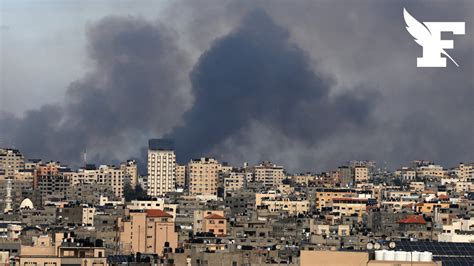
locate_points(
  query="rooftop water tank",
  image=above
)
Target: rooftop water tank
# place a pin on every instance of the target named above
(389, 255)
(400, 255)
(415, 256)
(426, 256)
(379, 254)
(408, 256)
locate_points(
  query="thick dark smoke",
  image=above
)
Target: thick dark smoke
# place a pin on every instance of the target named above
(134, 91)
(257, 75)
(421, 113)
(255, 93)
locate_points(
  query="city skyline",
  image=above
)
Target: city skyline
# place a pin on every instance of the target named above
(352, 89)
(236, 133)
(170, 172)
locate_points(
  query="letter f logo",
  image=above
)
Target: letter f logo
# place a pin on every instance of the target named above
(428, 35)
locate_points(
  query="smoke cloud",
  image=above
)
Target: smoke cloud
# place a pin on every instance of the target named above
(308, 85)
(135, 90)
(256, 74)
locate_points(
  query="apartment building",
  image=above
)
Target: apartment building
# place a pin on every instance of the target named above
(113, 177)
(349, 206)
(153, 204)
(361, 174)
(62, 249)
(292, 207)
(148, 231)
(53, 187)
(108, 175)
(11, 161)
(205, 220)
(465, 172)
(203, 176)
(82, 176)
(269, 174)
(430, 207)
(417, 186)
(48, 169)
(406, 173)
(161, 167)
(303, 178)
(216, 224)
(460, 230)
(431, 170)
(181, 176)
(345, 176)
(130, 172)
(234, 180)
(324, 197)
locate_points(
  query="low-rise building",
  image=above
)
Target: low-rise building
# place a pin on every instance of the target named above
(148, 231)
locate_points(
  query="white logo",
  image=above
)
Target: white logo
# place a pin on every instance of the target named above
(429, 37)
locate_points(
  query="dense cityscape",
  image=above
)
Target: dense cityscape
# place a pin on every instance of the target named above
(208, 212)
(236, 133)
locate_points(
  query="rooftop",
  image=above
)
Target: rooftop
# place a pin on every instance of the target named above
(157, 213)
(214, 216)
(414, 219)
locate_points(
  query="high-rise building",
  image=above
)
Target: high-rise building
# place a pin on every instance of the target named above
(11, 161)
(203, 176)
(161, 167)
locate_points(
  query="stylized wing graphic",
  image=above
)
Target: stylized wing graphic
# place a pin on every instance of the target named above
(420, 32)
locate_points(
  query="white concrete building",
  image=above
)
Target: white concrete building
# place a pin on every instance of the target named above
(461, 230)
(161, 168)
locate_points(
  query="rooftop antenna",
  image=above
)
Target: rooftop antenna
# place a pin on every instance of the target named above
(85, 157)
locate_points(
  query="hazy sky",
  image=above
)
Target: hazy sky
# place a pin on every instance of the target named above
(43, 45)
(307, 84)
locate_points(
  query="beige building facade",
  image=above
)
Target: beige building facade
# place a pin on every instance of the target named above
(200, 224)
(268, 174)
(113, 177)
(147, 232)
(130, 172)
(181, 176)
(11, 162)
(203, 176)
(361, 174)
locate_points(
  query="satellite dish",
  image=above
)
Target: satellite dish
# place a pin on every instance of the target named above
(239, 247)
(392, 245)
(370, 246)
(377, 246)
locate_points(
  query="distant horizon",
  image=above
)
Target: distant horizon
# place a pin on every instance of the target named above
(142, 164)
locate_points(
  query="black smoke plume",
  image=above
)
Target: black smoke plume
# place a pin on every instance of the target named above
(134, 91)
(256, 74)
(253, 75)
